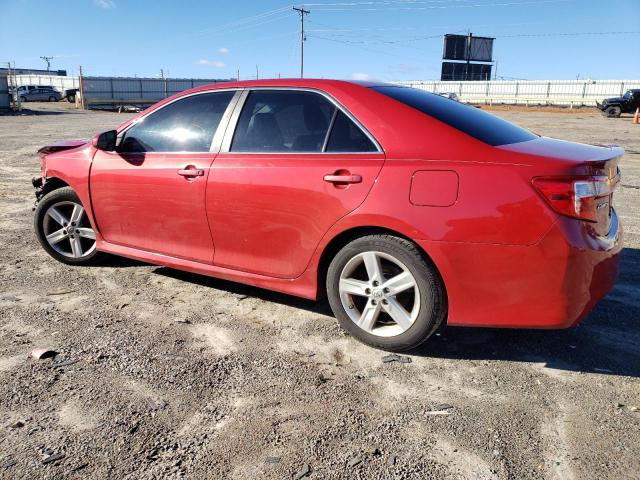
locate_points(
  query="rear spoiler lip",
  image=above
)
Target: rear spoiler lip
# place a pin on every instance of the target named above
(562, 150)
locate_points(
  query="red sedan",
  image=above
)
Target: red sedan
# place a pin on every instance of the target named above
(404, 208)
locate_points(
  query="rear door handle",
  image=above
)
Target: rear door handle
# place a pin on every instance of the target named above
(343, 178)
(191, 171)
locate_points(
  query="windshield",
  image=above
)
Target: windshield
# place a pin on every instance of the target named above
(475, 122)
(628, 94)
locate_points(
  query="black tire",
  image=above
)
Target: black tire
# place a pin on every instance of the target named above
(65, 194)
(613, 111)
(433, 302)
(23, 99)
(53, 99)
(71, 98)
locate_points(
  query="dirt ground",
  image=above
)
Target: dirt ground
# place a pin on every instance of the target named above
(165, 374)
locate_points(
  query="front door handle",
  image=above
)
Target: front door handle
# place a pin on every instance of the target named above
(191, 171)
(347, 178)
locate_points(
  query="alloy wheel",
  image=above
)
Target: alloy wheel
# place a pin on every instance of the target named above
(379, 294)
(68, 231)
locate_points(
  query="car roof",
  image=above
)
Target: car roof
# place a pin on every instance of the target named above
(314, 83)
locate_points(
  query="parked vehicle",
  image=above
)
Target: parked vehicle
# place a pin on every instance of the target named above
(70, 94)
(40, 95)
(627, 103)
(450, 96)
(22, 89)
(404, 208)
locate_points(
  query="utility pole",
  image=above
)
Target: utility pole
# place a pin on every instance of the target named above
(164, 82)
(257, 74)
(47, 60)
(238, 75)
(302, 13)
(468, 56)
(81, 85)
(12, 82)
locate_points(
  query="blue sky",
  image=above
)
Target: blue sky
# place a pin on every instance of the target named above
(381, 39)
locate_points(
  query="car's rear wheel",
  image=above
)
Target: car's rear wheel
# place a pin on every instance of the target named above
(23, 99)
(385, 293)
(63, 228)
(52, 99)
(613, 111)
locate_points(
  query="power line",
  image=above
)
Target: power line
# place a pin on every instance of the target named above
(356, 44)
(383, 3)
(551, 34)
(356, 31)
(357, 36)
(302, 13)
(244, 26)
(350, 38)
(261, 39)
(566, 34)
(245, 21)
(371, 7)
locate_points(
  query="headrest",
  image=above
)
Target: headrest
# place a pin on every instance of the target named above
(314, 120)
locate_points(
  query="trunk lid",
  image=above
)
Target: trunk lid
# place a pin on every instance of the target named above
(591, 168)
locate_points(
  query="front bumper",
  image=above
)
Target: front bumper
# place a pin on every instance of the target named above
(552, 284)
(38, 184)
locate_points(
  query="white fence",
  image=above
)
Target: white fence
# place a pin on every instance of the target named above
(529, 92)
(60, 83)
(522, 92)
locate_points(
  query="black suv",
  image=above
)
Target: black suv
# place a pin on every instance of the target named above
(613, 107)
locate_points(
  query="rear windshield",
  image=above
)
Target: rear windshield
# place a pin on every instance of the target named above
(475, 122)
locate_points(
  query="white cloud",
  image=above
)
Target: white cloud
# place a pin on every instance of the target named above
(106, 4)
(404, 69)
(211, 63)
(361, 76)
(223, 50)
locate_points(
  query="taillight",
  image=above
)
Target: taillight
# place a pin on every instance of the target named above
(575, 196)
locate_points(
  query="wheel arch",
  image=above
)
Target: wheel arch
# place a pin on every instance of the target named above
(346, 236)
(53, 183)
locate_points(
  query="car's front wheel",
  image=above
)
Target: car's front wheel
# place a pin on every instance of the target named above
(385, 293)
(63, 228)
(613, 111)
(53, 99)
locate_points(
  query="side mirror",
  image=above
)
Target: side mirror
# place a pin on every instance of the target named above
(106, 141)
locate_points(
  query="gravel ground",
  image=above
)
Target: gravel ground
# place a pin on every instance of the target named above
(181, 375)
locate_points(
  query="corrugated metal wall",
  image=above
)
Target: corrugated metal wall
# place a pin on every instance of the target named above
(4, 93)
(531, 92)
(118, 89)
(99, 89)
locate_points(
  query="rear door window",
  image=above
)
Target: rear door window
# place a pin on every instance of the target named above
(346, 136)
(296, 121)
(282, 121)
(475, 122)
(186, 125)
